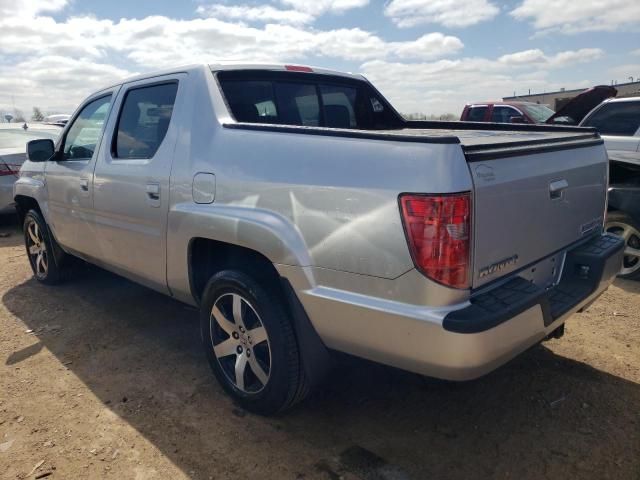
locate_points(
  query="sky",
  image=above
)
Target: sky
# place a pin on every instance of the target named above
(427, 56)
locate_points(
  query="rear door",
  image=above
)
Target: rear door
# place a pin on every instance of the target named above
(132, 180)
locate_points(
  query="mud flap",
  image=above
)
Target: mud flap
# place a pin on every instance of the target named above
(315, 356)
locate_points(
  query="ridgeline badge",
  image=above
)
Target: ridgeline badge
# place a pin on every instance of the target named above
(498, 266)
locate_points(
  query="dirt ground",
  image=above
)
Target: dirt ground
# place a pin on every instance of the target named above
(101, 378)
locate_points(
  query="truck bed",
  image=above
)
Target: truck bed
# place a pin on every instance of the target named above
(473, 137)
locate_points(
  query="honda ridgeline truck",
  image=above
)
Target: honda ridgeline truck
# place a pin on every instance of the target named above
(304, 215)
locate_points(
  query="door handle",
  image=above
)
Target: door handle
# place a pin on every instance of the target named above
(153, 191)
(153, 194)
(556, 188)
(84, 184)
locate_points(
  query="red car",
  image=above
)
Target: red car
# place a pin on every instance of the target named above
(529, 112)
(506, 112)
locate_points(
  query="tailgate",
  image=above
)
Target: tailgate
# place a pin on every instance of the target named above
(532, 199)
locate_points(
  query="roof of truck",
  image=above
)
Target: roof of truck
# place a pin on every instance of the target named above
(230, 65)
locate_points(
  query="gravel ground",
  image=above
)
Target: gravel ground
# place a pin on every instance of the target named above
(101, 378)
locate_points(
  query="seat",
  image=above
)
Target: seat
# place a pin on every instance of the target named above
(245, 112)
(337, 116)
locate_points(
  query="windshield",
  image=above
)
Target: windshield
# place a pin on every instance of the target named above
(18, 138)
(539, 113)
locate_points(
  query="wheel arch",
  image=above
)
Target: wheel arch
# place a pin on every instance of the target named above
(25, 203)
(206, 257)
(625, 198)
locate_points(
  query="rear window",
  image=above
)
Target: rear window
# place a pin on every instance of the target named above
(288, 98)
(616, 118)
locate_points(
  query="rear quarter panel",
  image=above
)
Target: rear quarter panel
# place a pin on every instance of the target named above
(301, 200)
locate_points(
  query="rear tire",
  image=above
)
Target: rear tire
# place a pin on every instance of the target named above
(249, 340)
(45, 256)
(625, 226)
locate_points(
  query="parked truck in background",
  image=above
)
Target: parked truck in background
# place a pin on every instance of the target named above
(618, 121)
(303, 214)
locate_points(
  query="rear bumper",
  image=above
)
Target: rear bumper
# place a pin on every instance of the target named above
(588, 270)
(471, 340)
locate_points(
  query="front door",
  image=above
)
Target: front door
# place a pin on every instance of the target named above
(69, 179)
(131, 183)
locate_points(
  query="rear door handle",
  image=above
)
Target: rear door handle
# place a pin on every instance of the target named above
(153, 194)
(84, 184)
(557, 187)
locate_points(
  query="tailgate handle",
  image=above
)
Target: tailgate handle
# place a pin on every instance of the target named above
(556, 188)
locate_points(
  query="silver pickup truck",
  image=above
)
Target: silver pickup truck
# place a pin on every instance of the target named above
(303, 214)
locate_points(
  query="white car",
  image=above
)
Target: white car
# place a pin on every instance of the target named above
(618, 121)
(13, 148)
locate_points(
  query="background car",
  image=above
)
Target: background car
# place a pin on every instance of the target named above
(13, 147)
(618, 121)
(506, 112)
(528, 112)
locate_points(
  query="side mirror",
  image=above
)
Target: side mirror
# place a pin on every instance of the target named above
(517, 119)
(40, 150)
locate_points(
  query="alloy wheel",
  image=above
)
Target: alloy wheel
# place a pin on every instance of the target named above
(240, 343)
(631, 238)
(37, 248)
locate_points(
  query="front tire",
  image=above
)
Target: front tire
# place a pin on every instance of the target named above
(44, 254)
(625, 226)
(249, 340)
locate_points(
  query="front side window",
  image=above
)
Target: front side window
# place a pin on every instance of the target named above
(476, 114)
(504, 114)
(85, 131)
(144, 121)
(539, 113)
(616, 118)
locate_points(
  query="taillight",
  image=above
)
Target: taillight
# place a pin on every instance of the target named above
(9, 169)
(438, 230)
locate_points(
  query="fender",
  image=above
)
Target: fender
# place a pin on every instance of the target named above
(31, 184)
(263, 231)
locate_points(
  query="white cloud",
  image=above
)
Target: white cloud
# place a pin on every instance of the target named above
(571, 16)
(444, 86)
(562, 59)
(449, 13)
(319, 7)
(261, 13)
(29, 8)
(156, 42)
(55, 83)
(431, 45)
(294, 11)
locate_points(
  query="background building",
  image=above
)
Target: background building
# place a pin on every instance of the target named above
(556, 100)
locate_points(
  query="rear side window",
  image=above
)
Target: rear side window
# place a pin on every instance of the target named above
(616, 118)
(298, 104)
(339, 103)
(144, 120)
(476, 114)
(306, 100)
